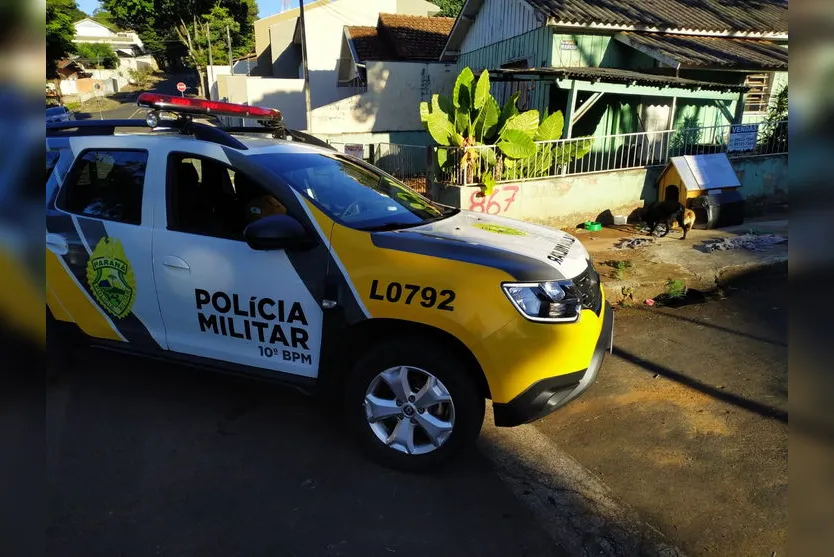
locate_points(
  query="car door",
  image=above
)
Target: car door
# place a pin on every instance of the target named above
(99, 224)
(219, 298)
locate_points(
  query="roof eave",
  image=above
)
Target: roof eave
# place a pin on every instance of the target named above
(774, 35)
(653, 53)
(463, 22)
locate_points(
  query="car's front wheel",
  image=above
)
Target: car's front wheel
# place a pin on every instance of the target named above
(412, 409)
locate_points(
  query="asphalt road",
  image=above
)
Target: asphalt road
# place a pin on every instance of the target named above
(128, 108)
(688, 422)
(154, 459)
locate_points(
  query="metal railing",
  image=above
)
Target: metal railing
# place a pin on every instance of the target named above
(586, 155)
(407, 163)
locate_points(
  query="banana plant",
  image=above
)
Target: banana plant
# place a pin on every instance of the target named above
(472, 118)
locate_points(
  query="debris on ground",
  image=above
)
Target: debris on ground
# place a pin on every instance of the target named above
(691, 296)
(634, 243)
(649, 302)
(751, 242)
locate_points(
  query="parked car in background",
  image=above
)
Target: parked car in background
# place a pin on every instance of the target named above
(58, 114)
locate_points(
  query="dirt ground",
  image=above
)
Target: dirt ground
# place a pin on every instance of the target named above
(687, 422)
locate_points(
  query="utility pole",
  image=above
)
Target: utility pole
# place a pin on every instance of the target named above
(229, 42)
(304, 66)
(210, 61)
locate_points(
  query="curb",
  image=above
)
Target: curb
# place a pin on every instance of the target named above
(629, 292)
(578, 511)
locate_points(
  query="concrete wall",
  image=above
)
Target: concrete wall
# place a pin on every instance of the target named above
(572, 200)
(762, 177)
(287, 95)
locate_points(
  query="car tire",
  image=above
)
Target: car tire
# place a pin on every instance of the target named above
(450, 377)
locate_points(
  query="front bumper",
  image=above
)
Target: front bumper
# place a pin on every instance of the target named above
(545, 396)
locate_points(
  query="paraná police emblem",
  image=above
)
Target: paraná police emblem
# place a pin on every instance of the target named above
(111, 278)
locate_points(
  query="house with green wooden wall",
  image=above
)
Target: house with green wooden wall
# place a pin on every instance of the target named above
(623, 66)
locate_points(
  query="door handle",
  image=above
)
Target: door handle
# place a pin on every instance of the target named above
(175, 263)
(57, 244)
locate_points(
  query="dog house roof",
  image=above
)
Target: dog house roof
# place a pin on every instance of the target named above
(704, 172)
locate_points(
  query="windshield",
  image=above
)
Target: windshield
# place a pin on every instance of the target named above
(352, 194)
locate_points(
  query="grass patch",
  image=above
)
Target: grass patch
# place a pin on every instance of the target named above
(675, 288)
(619, 268)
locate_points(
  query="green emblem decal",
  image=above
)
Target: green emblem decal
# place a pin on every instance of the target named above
(499, 229)
(111, 278)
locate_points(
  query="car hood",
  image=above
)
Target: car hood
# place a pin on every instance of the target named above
(526, 251)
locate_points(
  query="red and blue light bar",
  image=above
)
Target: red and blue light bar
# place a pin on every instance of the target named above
(185, 105)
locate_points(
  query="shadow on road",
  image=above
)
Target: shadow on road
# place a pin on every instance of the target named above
(150, 459)
(702, 323)
(736, 400)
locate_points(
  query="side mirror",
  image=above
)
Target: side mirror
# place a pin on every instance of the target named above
(277, 232)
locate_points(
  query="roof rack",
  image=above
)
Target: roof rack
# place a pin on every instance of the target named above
(108, 127)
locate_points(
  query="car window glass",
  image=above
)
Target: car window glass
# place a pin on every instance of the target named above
(51, 160)
(106, 185)
(355, 195)
(209, 198)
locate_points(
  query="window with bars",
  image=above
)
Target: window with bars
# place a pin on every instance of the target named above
(758, 97)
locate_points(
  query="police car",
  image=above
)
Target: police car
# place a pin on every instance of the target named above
(263, 251)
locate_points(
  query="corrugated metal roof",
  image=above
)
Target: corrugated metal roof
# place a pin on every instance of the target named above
(613, 75)
(710, 52)
(762, 16)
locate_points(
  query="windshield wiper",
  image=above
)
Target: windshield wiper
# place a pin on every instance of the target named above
(392, 226)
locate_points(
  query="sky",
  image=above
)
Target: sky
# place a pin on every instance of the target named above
(265, 7)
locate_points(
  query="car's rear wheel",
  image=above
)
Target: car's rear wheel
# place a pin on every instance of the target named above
(411, 409)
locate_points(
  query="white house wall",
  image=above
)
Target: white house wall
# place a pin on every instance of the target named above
(391, 102)
(287, 95)
(498, 20)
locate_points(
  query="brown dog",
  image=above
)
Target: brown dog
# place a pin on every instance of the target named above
(688, 222)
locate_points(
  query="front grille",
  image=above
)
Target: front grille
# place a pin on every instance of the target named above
(589, 289)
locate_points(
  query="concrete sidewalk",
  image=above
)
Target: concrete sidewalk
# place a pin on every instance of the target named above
(631, 275)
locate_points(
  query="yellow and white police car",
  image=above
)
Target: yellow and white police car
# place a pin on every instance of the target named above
(284, 259)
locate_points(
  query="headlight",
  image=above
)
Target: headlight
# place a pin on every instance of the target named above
(553, 301)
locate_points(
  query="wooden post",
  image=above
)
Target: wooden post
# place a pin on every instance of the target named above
(569, 119)
(570, 110)
(667, 137)
(429, 171)
(742, 100)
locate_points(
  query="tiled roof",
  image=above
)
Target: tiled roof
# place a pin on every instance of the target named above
(368, 44)
(416, 37)
(611, 75)
(711, 52)
(695, 15)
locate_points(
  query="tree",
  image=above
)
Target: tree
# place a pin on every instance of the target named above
(105, 18)
(98, 55)
(194, 25)
(774, 136)
(449, 8)
(60, 16)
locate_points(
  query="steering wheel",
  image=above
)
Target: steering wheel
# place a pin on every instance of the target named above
(351, 210)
